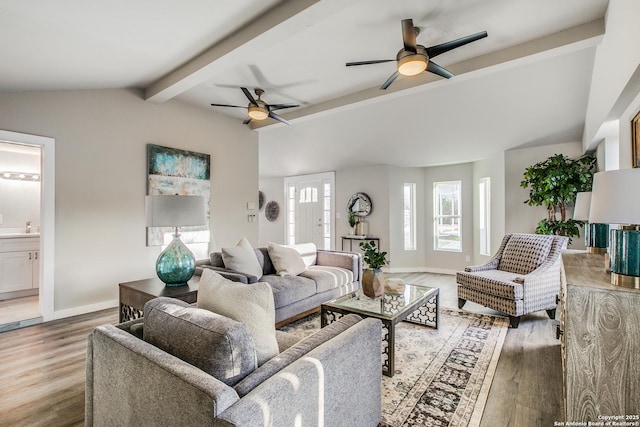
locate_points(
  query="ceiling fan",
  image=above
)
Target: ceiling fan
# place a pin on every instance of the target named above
(414, 58)
(258, 109)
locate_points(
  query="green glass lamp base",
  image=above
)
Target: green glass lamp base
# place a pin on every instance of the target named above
(176, 264)
(625, 257)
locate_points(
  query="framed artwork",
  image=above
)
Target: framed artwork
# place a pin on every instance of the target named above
(635, 140)
(175, 171)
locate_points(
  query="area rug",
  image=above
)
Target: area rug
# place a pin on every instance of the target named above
(442, 376)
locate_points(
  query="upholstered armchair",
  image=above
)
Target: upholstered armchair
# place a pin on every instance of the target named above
(522, 277)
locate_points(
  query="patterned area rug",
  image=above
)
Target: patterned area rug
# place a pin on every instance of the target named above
(442, 376)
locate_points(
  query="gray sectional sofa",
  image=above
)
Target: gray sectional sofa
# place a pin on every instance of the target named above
(330, 275)
(181, 365)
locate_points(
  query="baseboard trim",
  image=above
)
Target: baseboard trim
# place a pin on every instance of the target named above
(76, 311)
(420, 270)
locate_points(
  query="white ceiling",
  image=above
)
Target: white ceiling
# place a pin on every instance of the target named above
(526, 83)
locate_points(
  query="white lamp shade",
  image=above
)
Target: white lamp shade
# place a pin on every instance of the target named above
(614, 198)
(582, 206)
(174, 211)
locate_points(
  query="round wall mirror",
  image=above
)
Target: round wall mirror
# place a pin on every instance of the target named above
(360, 204)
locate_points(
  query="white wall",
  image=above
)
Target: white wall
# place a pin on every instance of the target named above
(445, 261)
(374, 181)
(615, 73)
(494, 169)
(520, 217)
(101, 138)
(406, 260)
(19, 200)
(273, 189)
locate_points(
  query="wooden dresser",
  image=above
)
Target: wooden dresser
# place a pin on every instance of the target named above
(600, 332)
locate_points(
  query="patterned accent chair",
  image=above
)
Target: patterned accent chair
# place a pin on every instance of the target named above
(521, 278)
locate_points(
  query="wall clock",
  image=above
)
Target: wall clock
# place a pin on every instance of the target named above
(360, 204)
(272, 210)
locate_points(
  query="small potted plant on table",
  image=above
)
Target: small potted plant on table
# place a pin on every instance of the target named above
(352, 222)
(372, 277)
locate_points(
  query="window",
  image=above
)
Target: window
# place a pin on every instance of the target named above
(484, 206)
(409, 217)
(291, 214)
(447, 216)
(327, 216)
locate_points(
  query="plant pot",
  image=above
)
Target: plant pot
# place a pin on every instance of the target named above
(372, 282)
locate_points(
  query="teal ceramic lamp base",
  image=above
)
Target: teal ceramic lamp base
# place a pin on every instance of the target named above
(596, 238)
(625, 257)
(176, 264)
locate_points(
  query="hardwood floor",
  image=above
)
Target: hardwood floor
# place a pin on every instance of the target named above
(19, 312)
(43, 368)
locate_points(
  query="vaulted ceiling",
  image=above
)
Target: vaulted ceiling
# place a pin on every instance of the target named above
(526, 83)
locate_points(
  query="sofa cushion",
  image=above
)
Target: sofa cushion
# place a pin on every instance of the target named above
(251, 304)
(289, 289)
(286, 260)
(219, 346)
(523, 253)
(294, 353)
(327, 277)
(242, 258)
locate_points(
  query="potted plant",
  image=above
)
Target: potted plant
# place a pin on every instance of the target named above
(352, 221)
(372, 277)
(555, 182)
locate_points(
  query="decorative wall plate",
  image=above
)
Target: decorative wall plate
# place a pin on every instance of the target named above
(272, 210)
(260, 200)
(360, 204)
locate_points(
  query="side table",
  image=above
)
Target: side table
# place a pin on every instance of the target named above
(133, 295)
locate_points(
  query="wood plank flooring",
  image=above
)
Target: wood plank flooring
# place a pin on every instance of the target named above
(17, 312)
(43, 366)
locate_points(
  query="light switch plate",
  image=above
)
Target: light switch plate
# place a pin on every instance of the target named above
(0, 219)
(251, 206)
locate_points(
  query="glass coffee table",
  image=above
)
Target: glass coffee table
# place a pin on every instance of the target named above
(417, 304)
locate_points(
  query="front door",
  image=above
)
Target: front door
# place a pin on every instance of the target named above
(310, 222)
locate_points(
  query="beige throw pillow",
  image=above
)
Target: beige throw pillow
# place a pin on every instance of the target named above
(242, 258)
(249, 304)
(286, 261)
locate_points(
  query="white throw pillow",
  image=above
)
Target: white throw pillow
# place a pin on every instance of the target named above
(287, 261)
(242, 258)
(308, 251)
(249, 304)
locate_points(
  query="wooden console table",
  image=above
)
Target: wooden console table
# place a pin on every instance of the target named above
(133, 295)
(600, 342)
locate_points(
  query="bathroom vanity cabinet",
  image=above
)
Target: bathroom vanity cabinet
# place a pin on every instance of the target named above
(19, 266)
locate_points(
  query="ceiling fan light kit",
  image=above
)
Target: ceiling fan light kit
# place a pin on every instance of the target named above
(414, 58)
(257, 113)
(258, 109)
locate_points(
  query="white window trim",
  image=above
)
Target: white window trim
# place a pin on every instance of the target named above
(435, 217)
(412, 246)
(486, 214)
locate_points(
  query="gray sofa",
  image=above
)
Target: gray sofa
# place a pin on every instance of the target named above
(181, 365)
(297, 296)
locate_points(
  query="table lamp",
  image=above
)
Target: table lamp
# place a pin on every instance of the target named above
(596, 236)
(176, 263)
(614, 200)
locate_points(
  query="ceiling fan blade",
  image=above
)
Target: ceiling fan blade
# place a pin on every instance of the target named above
(227, 105)
(249, 96)
(390, 80)
(409, 35)
(278, 118)
(281, 106)
(375, 61)
(246, 121)
(436, 50)
(434, 68)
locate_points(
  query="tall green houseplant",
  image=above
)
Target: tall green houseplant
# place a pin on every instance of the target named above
(554, 183)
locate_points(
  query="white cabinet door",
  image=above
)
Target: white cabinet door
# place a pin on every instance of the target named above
(35, 277)
(16, 271)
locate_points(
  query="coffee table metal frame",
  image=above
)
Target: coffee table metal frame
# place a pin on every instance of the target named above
(390, 309)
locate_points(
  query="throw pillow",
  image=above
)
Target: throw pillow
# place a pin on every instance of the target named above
(287, 261)
(242, 258)
(220, 346)
(308, 252)
(249, 304)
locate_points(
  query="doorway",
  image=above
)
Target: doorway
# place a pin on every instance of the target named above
(29, 227)
(310, 209)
